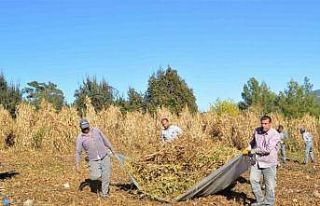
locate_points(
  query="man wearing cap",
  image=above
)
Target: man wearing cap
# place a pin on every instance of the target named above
(98, 149)
(307, 138)
(169, 132)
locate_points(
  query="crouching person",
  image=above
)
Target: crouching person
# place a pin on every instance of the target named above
(98, 149)
(169, 132)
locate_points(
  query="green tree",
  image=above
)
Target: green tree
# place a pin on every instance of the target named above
(297, 99)
(101, 94)
(35, 92)
(258, 95)
(135, 100)
(168, 89)
(10, 95)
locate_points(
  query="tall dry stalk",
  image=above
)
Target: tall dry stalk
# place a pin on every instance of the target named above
(136, 133)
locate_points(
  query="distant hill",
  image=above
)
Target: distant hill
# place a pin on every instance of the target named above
(317, 92)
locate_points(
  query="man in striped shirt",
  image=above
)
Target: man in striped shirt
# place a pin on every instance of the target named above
(98, 149)
(265, 144)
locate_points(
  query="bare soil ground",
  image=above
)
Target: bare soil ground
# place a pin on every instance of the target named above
(43, 179)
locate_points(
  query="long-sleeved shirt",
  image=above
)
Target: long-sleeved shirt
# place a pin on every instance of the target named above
(170, 133)
(307, 137)
(266, 146)
(94, 143)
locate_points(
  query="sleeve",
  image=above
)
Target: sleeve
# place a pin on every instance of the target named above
(310, 137)
(105, 140)
(252, 143)
(307, 137)
(274, 141)
(179, 130)
(304, 136)
(78, 150)
(162, 135)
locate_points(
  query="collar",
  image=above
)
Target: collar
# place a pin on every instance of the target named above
(261, 132)
(86, 134)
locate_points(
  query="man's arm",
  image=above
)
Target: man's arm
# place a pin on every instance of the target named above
(304, 137)
(252, 143)
(106, 141)
(162, 136)
(78, 151)
(307, 137)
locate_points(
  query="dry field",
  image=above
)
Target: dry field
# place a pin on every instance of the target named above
(37, 155)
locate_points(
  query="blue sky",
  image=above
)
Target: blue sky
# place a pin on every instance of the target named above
(216, 45)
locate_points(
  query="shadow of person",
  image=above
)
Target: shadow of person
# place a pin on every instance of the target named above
(8, 175)
(128, 187)
(90, 185)
(242, 180)
(239, 197)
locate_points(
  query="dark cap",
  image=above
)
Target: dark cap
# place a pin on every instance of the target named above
(84, 124)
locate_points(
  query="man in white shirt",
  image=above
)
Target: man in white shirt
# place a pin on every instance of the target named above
(169, 132)
(307, 138)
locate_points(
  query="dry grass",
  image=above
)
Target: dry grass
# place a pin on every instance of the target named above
(48, 130)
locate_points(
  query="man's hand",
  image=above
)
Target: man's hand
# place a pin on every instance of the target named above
(113, 153)
(78, 169)
(246, 151)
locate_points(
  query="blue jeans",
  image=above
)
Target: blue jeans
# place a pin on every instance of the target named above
(308, 152)
(269, 177)
(101, 170)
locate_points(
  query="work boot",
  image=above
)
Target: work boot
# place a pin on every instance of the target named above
(105, 196)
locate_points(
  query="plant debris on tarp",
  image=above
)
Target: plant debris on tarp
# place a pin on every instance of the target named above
(177, 166)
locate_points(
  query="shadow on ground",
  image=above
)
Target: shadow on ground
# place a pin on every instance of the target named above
(240, 197)
(91, 185)
(8, 175)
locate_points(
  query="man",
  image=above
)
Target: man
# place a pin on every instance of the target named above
(283, 137)
(98, 150)
(265, 144)
(307, 138)
(169, 132)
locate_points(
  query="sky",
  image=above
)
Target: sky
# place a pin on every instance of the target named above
(215, 45)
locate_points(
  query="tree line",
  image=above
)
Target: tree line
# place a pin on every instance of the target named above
(165, 89)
